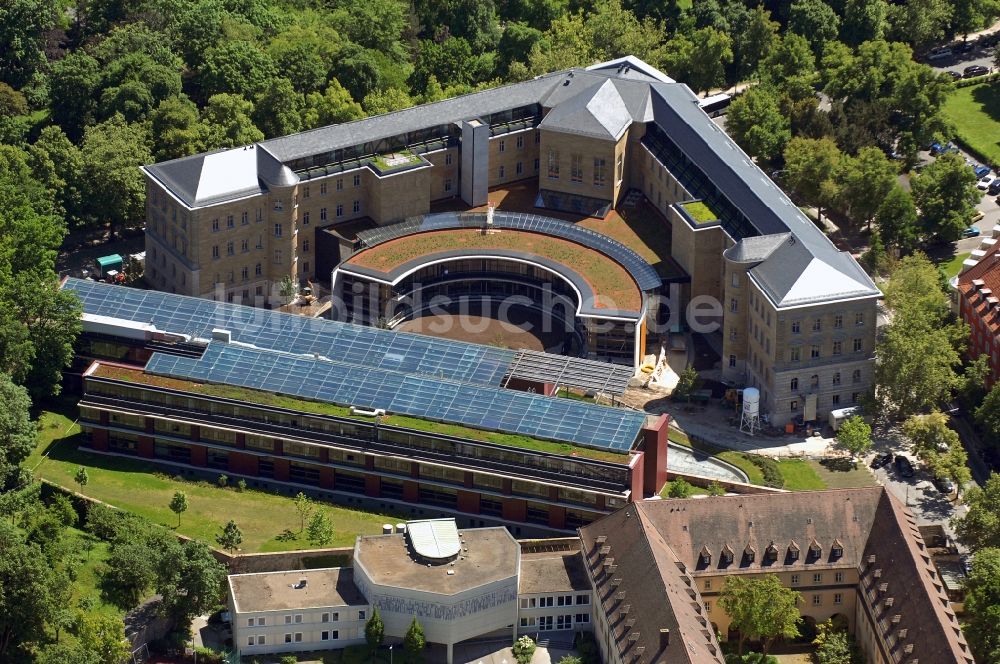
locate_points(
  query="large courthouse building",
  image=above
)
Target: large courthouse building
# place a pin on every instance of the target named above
(797, 314)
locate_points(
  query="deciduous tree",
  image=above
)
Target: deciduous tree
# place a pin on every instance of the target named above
(811, 167)
(982, 605)
(17, 431)
(816, 21)
(374, 631)
(178, 505)
(980, 527)
(320, 529)
(865, 181)
(755, 121)
(104, 636)
(945, 193)
(229, 123)
(760, 608)
(305, 507)
(231, 537)
(29, 584)
(854, 436)
(414, 641)
(896, 221)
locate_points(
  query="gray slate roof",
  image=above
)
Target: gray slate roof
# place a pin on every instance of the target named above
(599, 112)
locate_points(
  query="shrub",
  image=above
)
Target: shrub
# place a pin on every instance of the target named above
(289, 659)
(586, 645)
(570, 659)
(679, 488)
(769, 468)
(223, 480)
(241, 486)
(524, 649)
(208, 655)
(716, 489)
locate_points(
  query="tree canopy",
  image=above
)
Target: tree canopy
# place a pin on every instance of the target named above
(760, 608)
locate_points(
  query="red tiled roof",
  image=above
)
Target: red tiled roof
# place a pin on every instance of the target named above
(986, 271)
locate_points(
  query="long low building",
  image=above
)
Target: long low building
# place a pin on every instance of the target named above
(645, 580)
(387, 420)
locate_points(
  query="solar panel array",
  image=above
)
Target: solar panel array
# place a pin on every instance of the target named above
(494, 409)
(643, 273)
(344, 342)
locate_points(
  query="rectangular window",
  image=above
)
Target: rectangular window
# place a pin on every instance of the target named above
(795, 579)
(277, 230)
(298, 637)
(215, 251)
(838, 322)
(536, 165)
(576, 168)
(357, 179)
(361, 615)
(305, 218)
(732, 360)
(245, 246)
(520, 142)
(324, 636)
(838, 577)
(817, 325)
(814, 352)
(230, 249)
(305, 191)
(599, 172)
(817, 578)
(734, 305)
(855, 396)
(796, 327)
(250, 639)
(260, 241)
(518, 168)
(277, 256)
(305, 246)
(215, 225)
(838, 598)
(583, 618)
(229, 221)
(322, 214)
(258, 269)
(288, 620)
(795, 354)
(245, 273)
(838, 347)
(261, 639)
(817, 600)
(835, 399)
(501, 145)
(322, 188)
(447, 159)
(447, 184)
(582, 599)
(340, 210)
(250, 623)
(858, 345)
(708, 584)
(500, 172)
(553, 164)
(356, 207)
(859, 318)
(620, 172)
(793, 406)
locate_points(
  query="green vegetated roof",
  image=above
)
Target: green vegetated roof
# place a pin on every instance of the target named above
(700, 212)
(321, 408)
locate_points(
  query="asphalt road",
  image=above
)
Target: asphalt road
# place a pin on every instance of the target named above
(979, 55)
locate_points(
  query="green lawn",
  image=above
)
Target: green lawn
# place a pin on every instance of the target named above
(799, 475)
(952, 267)
(838, 474)
(975, 112)
(89, 553)
(140, 487)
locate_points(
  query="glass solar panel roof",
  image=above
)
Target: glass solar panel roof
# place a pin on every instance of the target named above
(437, 399)
(343, 342)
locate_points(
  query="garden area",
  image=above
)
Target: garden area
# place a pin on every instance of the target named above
(975, 113)
(268, 521)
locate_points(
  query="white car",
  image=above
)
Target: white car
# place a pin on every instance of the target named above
(986, 181)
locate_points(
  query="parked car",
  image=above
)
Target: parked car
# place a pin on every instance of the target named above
(980, 171)
(964, 47)
(974, 70)
(971, 231)
(903, 466)
(994, 188)
(939, 53)
(881, 460)
(944, 485)
(985, 181)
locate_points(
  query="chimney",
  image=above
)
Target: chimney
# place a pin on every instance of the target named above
(664, 638)
(882, 587)
(871, 559)
(902, 633)
(908, 648)
(889, 602)
(896, 618)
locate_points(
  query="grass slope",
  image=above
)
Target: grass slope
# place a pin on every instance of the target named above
(975, 112)
(139, 487)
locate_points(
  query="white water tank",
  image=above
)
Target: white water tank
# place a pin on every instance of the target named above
(387, 529)
(751, 400)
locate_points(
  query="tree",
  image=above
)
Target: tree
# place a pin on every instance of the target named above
(896, 221)
(305, 52)
(304, 506)
(23, 24)
(231, 537)
(386, 101)
(374, 631)
(791, 67)
(760, 608)
(81, 477)
(523, 649)
(176, 129)
(104, 636)
(980, 527)
(62, 652)
(816, 21)
(835, 646)
(864, 20)
(919, 22)
(17, 432)
(945, 193)
(414, 641)
(333, 106)
(129, 573)
(938, 446)
(358, 70)
(29, 585)
(755, 121)
(58, 164)
(320, 529)
(988, 414)
(236, 67)
(190, 579)
(810, 169)
(716, 489)
(679, 488)
(865, 181)
(854, 436)
(179, 505)
(228, 118)
(570, 659)
(113, 151)
(700, 60)
(73, 85)
(687, 383)
(920, 349)
(278, 110)
(982, 602)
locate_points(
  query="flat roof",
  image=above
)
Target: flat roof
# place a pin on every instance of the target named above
(487, 555)
(278, 591)
(552, 572)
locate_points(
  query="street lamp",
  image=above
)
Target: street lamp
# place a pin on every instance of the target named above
(390, 654)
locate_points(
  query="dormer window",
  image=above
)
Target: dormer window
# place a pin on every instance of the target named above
(727, 555)
(815, 550)
(749, 553)
(705, 556)
(770, 553)
(837, 550)
(793, 551)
